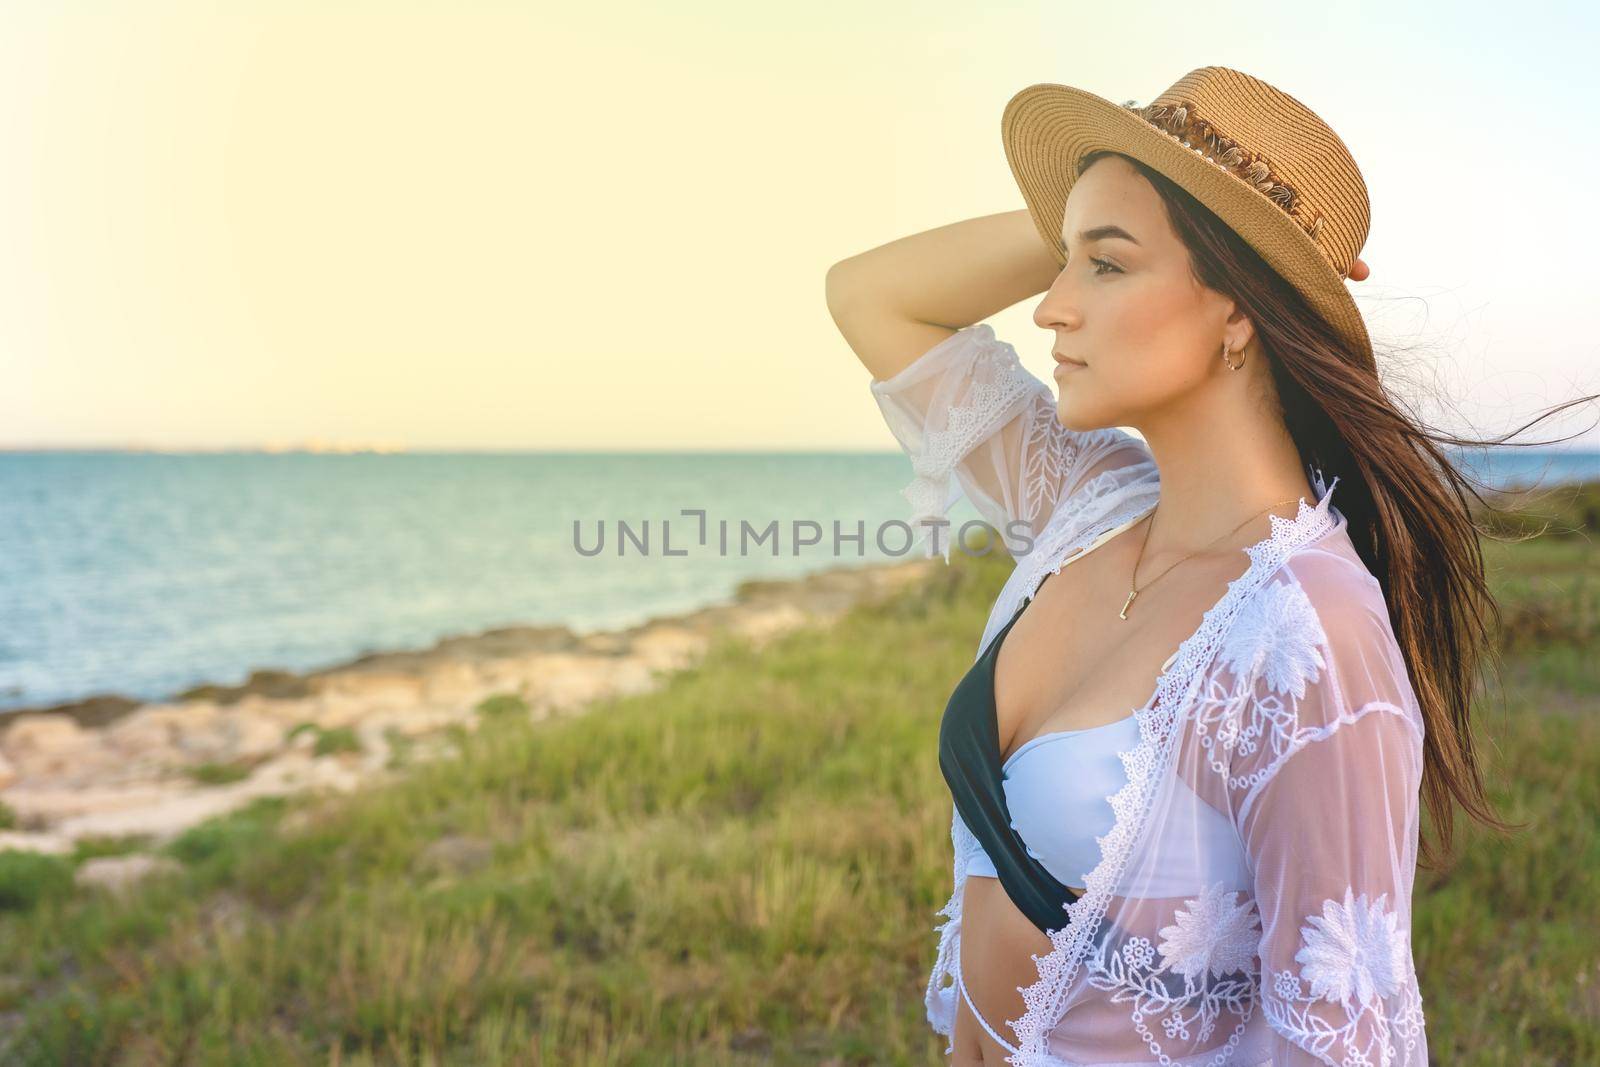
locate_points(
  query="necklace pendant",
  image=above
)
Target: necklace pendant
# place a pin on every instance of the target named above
(1123, 614)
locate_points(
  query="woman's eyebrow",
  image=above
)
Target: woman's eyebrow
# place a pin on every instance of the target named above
(1100, 232)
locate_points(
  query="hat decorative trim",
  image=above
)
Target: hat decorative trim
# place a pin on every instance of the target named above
(1257, 158)
(1180, 121)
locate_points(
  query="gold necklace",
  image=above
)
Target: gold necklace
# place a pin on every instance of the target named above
(1133, 584)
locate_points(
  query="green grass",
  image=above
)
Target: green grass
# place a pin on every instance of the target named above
(327, 741)
(742, 867)
(502, 704)
(220, 773)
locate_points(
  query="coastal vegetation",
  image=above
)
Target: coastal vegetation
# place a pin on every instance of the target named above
(740, 867)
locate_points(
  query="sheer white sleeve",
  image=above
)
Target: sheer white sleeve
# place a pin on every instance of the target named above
(1325, 767)
(968, 408)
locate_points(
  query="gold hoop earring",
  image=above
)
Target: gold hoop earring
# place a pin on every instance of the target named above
(1231, 365)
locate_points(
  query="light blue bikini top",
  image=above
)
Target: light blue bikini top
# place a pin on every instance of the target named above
(1058, 788)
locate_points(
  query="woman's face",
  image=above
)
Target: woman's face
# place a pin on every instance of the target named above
(1147, 333)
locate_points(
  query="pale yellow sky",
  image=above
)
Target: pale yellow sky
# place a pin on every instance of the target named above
(478, 225)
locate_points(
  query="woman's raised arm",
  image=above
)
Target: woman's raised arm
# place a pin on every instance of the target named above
(894, 302)
(957, 398)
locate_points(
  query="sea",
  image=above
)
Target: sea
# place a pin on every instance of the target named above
(142, 574)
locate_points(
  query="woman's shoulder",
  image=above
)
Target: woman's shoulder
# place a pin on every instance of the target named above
(1332, 578)
(1319, 626)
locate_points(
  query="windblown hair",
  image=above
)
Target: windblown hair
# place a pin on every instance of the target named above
(1405, 500)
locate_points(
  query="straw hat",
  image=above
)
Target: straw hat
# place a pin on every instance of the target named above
(1256, 156)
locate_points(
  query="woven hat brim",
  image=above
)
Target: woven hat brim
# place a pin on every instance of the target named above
(1047, 128)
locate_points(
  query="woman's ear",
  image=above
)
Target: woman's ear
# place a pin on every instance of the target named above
(1240, 331)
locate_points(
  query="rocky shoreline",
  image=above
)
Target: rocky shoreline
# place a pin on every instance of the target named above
(112, 767)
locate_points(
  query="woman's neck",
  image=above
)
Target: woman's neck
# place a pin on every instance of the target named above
(1216, 472)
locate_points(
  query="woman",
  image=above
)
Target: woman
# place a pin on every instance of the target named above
(1187, 762)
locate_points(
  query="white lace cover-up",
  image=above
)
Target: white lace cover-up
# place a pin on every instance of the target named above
(1288, 710)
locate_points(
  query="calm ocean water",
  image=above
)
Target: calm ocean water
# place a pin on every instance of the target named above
(144, 574)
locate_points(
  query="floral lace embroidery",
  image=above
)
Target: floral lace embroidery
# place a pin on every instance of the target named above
(1277, 639)
(989, 403)
(1213, 933)
(1305, 736)
(1049, 452)
(1353, 954)
(999, 389)
(1356, 954)
(1353, 949)
(1158, 735)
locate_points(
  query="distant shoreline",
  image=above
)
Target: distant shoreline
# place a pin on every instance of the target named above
(102, 709)
(112, 767)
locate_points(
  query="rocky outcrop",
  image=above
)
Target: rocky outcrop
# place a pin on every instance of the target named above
(111, 766)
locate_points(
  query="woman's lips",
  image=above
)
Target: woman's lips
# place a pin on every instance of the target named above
(1068, 365)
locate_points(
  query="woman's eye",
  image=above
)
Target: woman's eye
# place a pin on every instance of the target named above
(1098, 263)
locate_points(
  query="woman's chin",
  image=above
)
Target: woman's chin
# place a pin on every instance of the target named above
(1075, 418)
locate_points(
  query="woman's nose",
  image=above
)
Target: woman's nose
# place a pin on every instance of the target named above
(1055, 310)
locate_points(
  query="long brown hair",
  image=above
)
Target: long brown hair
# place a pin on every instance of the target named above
(1406, 502)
